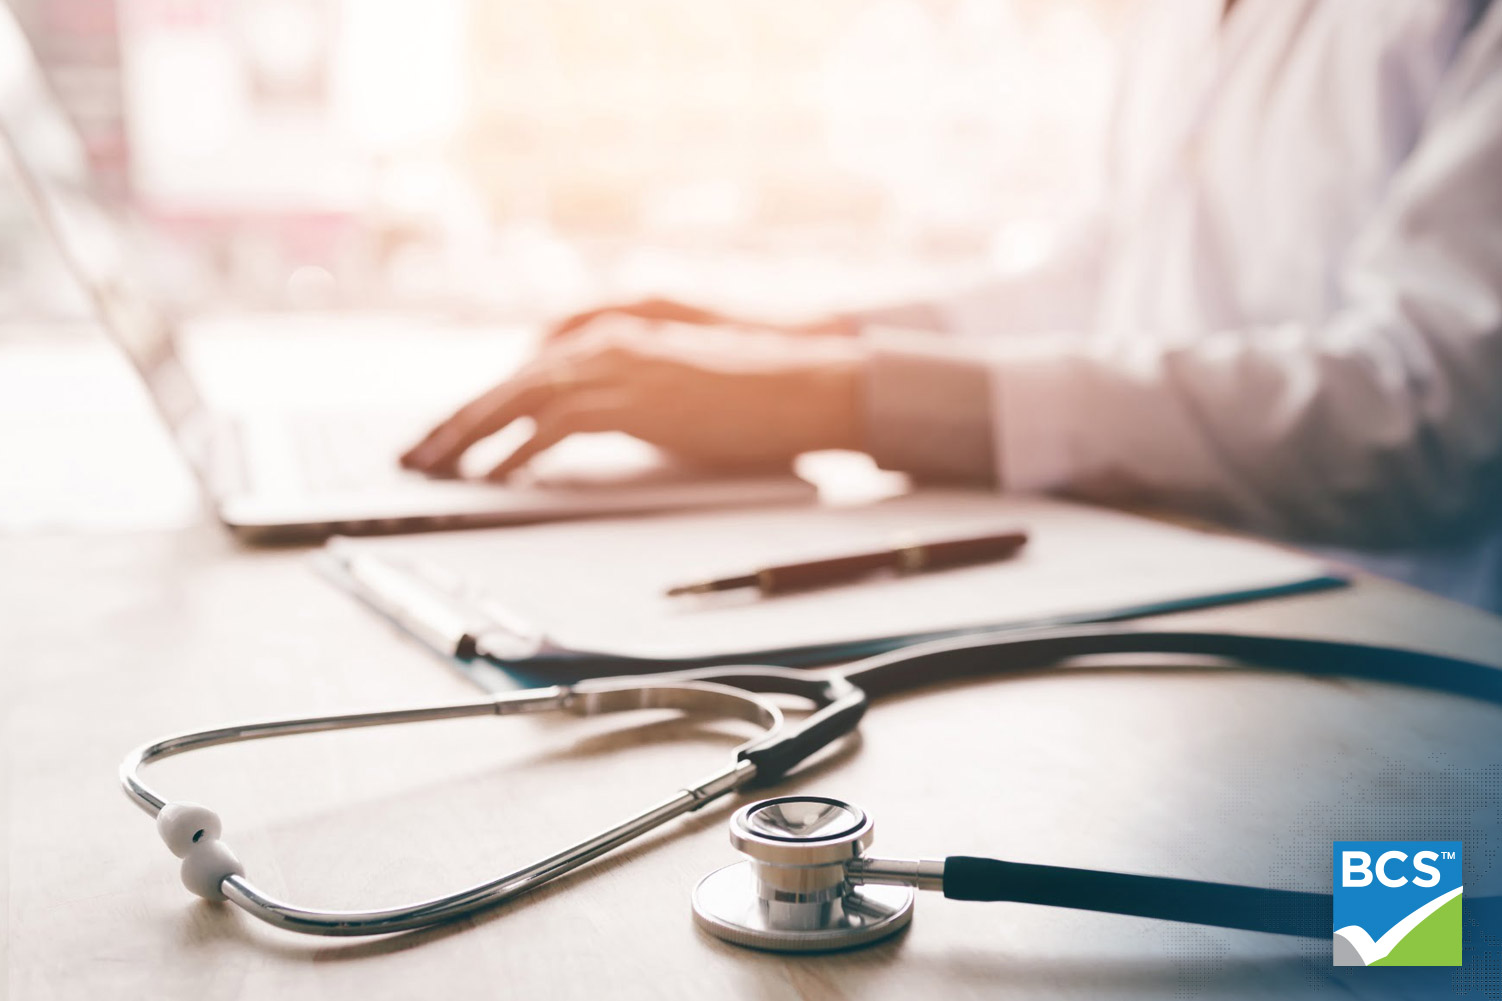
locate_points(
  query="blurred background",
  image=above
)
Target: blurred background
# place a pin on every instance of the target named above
(481, 165)
(515, 158)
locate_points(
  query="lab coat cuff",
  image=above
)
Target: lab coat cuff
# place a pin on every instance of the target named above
(928, 408)
(1035, 394)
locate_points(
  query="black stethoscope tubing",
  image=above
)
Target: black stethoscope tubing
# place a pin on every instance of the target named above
(843, 695)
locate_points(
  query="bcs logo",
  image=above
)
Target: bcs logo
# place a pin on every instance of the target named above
(1397, 903)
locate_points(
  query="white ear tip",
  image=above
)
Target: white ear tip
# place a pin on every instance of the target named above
(206, 866)
(182, 825)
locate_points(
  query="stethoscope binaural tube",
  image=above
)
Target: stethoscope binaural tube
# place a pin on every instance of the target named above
(844, 694)
(991, 655)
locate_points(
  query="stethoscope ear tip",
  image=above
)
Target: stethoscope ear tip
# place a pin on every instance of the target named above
(192, 833)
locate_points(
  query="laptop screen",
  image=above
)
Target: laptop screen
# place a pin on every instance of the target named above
(53, 168)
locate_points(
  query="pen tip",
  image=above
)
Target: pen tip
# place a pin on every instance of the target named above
(699, 587)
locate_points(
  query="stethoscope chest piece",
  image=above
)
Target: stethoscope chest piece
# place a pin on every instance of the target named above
(793, 893)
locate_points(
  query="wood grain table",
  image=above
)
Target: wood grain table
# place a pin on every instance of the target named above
(109, 640)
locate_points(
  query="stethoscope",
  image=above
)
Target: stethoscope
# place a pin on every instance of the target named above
(806, 883)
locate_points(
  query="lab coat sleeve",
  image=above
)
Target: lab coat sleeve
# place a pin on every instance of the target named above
(1383, 423)
(928, 408)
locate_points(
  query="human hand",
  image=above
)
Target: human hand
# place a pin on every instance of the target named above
(724, 397)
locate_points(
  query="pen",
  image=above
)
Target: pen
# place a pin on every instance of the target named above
(909, 559)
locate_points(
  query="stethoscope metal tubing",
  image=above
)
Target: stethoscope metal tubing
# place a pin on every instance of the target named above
(585, 699)
(533, 700)
(513, 884)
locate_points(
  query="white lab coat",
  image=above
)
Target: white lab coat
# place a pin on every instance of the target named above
(1290, 312)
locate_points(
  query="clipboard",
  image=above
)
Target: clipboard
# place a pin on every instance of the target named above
(552, 604)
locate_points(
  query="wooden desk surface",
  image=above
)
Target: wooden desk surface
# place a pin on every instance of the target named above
(106, 641)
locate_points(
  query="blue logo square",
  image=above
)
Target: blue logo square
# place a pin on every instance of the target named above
(1397, 903)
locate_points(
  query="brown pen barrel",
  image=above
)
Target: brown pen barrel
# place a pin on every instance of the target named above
(962, 551)
(911, 559)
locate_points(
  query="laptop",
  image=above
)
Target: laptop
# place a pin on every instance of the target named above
(273, 475)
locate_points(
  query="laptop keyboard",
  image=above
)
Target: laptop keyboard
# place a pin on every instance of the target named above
(338, 452)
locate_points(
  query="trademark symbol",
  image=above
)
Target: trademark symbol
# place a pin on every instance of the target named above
(1448, 855)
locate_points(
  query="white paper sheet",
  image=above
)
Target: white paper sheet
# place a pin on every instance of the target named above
(599, 585)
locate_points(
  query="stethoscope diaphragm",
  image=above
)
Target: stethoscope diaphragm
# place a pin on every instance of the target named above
(795, 890)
